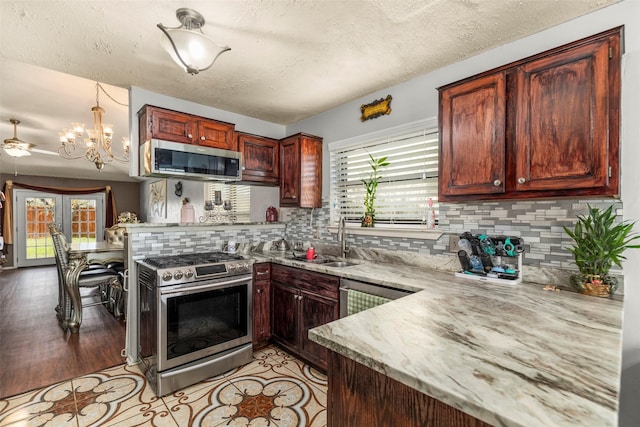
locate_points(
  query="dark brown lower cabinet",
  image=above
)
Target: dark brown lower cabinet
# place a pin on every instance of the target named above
(361, 397)
(302, 300)
(261, 304)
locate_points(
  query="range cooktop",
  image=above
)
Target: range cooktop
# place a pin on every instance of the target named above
(192, 259)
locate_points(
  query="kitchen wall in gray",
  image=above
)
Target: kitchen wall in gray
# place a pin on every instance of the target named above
(261, 198)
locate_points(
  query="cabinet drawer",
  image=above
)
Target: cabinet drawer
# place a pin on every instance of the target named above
(318, 283)
(261, 271)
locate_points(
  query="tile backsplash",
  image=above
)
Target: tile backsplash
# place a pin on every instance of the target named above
(161, 242)
(539, 222)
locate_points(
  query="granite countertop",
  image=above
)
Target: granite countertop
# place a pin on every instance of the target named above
(510, 355)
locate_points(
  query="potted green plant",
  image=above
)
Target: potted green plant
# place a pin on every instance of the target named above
(370, 187)
(599, 243)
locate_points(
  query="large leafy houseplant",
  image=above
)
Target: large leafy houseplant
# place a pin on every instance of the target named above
(370, 187)
(599, 243)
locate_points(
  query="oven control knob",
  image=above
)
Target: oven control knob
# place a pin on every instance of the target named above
(177, 275)
(166, 276)
(246, 267)
(231, 268)
(188, 274)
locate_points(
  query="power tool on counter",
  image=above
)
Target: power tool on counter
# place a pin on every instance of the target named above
(482, 255)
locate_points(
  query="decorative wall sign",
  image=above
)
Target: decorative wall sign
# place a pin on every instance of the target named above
(375, 109)
(158, 199)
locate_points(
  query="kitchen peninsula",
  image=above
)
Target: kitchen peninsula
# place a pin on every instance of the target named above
(505, 355)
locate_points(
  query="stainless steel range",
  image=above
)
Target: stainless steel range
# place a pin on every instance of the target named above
(195, 317)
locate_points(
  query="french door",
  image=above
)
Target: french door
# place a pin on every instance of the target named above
(80, 216)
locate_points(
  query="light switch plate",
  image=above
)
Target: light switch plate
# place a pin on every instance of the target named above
(453, 243)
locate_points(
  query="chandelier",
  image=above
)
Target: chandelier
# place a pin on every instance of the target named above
(188, 46)
(97, 147)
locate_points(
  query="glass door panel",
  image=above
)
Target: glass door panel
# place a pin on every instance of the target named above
(83, 220)
(34, 213)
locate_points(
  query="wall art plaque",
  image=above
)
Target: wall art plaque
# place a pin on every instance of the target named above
(377, 108)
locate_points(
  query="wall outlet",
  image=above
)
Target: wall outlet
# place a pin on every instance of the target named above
(453, 243)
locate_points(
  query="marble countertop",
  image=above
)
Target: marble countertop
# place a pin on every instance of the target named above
(510, 355)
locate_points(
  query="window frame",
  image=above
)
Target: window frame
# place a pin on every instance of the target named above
(417, 231)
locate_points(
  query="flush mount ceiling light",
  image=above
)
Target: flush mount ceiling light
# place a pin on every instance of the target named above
(97, 147)
(189, 47)
(14, 146)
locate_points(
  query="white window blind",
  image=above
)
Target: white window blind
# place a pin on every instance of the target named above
(238, 195)
(406, 185)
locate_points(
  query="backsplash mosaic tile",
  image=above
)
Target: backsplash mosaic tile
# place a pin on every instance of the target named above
(539, 222)
(165, 242)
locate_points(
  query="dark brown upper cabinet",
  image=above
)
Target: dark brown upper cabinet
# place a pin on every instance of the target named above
(260, 159)
(168, 125)
(544, 126)
(472, 152)
(301, 171)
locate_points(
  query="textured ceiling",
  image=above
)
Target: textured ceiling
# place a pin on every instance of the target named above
(290, 59)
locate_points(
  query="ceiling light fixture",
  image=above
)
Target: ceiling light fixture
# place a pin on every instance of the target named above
(189, 47)
(15, 147)
(98, 144)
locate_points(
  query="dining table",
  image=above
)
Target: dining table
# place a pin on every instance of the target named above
(101, 251)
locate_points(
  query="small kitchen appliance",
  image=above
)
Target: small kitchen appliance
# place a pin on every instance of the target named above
(195, 316)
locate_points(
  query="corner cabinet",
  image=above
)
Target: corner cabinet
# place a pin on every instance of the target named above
(302, 300)
(260, 159)
(168, 125)
(261, 304)
(301, 171)
(544, 126)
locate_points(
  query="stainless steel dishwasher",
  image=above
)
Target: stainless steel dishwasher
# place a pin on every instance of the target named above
(357, 296)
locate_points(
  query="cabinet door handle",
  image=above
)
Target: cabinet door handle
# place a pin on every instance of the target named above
(190, 136)
(497, 183)
(203, 138)
(521, 180)
(262, 273)
(259, 291)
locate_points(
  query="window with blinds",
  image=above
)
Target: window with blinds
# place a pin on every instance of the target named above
(233, 200)
(406, 185)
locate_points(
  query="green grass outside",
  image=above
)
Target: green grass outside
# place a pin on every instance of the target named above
(42, 247)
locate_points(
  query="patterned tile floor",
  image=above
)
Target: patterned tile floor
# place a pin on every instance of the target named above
(274, 390)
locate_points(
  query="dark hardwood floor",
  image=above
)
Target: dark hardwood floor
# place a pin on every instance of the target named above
(34, 350)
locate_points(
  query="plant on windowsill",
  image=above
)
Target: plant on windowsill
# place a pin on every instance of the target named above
(370, 187)
(598, 244)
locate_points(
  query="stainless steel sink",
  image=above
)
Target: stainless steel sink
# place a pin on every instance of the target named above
(311, 261)
(340, 264)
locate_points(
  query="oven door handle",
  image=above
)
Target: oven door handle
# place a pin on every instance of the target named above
(186, 287)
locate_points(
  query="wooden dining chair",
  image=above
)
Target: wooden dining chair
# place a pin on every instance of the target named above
(70, 305)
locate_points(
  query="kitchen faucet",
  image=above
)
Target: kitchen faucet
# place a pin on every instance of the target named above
(342, 237)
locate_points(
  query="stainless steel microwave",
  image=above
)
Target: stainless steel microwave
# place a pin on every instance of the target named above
(170, 159)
